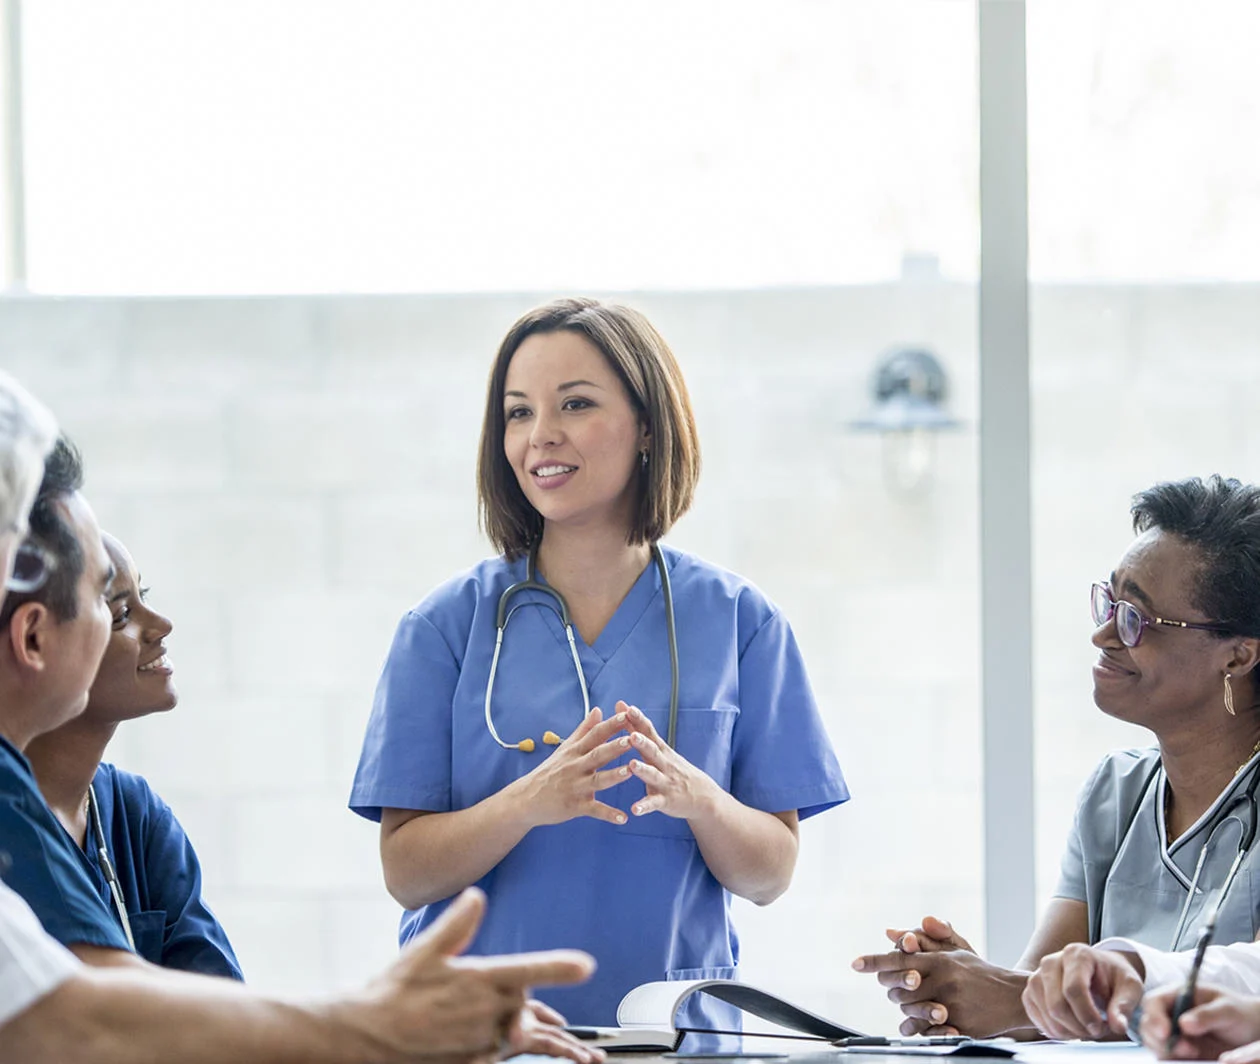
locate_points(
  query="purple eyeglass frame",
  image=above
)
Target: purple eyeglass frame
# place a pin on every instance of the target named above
(1144, 622)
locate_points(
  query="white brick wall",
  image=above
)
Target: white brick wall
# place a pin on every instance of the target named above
(292, 473)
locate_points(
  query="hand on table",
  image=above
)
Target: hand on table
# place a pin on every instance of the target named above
(1083, 992)
(1218, 1024)
(943, 988)
(934, 935)
(539, 1029)
(565, 785)
(674, 785)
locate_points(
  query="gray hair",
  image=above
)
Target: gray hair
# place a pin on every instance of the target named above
(27, 434)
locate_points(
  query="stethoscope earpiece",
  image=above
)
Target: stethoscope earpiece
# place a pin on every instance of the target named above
(526, 746)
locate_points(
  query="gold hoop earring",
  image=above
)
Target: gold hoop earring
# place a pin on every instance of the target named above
(1229, 696)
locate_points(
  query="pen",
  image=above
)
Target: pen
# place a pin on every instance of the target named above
(1186, 998)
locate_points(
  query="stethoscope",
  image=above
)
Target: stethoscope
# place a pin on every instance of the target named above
(1246, 836)
(107, 866)
(561, 608)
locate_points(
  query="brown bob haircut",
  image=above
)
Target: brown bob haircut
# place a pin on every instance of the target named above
(649, 372)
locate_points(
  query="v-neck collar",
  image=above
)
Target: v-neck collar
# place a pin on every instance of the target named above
(629, 612)
(1207, 820)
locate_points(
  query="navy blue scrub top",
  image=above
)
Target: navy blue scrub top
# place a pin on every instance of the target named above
(160, 878)
(45, 866)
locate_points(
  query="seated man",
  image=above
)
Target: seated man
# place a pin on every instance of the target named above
(51, 641)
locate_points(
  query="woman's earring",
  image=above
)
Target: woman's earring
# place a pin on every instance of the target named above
(1229, 697)
(643, 457)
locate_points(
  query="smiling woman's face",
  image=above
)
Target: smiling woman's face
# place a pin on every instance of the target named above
(1173, 674)
(135, 677)
(571, 435)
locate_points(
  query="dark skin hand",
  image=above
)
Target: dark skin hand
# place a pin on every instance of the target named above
(975, 997)
(903, 980)
(945, 988)
(1084, 992)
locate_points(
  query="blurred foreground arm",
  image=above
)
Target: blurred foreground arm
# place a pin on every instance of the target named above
(431, 1006)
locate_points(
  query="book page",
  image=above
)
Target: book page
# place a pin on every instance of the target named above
(654, 1004)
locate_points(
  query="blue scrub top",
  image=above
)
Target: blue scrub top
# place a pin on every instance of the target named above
(46, 867)
(159, 875)
(638, 896)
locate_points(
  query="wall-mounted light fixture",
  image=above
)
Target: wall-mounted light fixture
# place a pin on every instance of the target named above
(909, 388)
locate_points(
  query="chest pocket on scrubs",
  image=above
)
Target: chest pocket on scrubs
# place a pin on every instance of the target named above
(1149, 909)
(149, 931)
(704, 739)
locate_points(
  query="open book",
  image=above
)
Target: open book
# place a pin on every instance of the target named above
(646, 1015)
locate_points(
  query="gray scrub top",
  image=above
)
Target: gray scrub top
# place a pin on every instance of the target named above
(1135, 883)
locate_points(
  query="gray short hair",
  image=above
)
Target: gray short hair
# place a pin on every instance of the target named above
(27, 434)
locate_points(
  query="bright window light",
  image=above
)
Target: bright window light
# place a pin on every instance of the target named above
(484, 145)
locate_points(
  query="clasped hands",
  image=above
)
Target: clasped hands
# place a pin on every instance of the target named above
(567, 784)
(943, 987)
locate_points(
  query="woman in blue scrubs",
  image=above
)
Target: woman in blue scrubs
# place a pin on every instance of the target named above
(158, 877)
(609, 840)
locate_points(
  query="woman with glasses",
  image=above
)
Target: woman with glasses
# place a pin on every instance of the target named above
(132, 847)
(1162, 835)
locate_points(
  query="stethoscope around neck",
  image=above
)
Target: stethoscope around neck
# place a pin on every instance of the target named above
(1246, 837)
(561, 608)
(107, 866)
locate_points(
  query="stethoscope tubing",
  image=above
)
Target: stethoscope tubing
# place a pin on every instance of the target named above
(1243, 845)
(107, 866)
(1246, 837)
(530, 583)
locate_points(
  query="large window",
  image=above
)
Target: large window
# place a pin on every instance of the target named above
(185, 147)
(1144, 204)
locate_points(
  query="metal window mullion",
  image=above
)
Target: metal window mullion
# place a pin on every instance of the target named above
(1005, 482)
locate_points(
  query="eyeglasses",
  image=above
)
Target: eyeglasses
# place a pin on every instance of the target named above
(1130, 621)
(31, 567)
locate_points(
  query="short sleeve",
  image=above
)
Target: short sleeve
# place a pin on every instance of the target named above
(1072, 883)
(406, 758)
(193, 939)
(782, 758)
(31, 963)
(1072, 867)
(49, 875)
